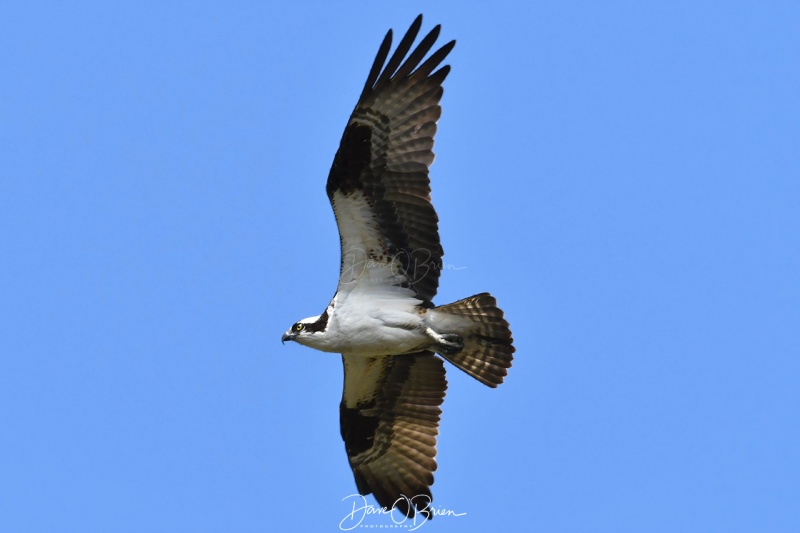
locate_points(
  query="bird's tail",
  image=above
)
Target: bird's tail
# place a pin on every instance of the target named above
(487, 349)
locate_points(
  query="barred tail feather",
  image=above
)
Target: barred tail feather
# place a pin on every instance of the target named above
(488, 349)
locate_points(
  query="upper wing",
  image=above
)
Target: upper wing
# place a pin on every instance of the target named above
(378, 184)
(389, 418)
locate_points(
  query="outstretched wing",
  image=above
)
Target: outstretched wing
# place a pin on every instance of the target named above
(389, 418)
(378, 184)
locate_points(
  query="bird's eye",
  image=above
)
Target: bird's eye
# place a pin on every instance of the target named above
(298, 327)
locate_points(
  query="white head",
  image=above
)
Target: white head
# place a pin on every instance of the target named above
(309, 331)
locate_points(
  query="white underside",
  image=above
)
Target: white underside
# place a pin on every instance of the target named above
(373, 319)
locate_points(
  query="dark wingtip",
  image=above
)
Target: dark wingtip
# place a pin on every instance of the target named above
(415, 26)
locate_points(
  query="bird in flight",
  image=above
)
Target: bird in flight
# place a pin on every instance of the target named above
(382, 318)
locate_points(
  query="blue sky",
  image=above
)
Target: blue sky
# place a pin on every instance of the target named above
(623, 176)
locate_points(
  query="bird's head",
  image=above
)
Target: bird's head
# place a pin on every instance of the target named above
(307, 331)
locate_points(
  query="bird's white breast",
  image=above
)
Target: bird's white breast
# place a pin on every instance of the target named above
(376, 319)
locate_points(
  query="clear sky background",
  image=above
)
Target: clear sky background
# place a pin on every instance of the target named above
(623, 176)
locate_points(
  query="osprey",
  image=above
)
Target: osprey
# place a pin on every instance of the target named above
(382, 318)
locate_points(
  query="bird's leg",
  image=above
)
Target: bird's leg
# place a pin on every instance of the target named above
(447, 343)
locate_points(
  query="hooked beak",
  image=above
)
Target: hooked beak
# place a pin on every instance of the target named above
(287, 337)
